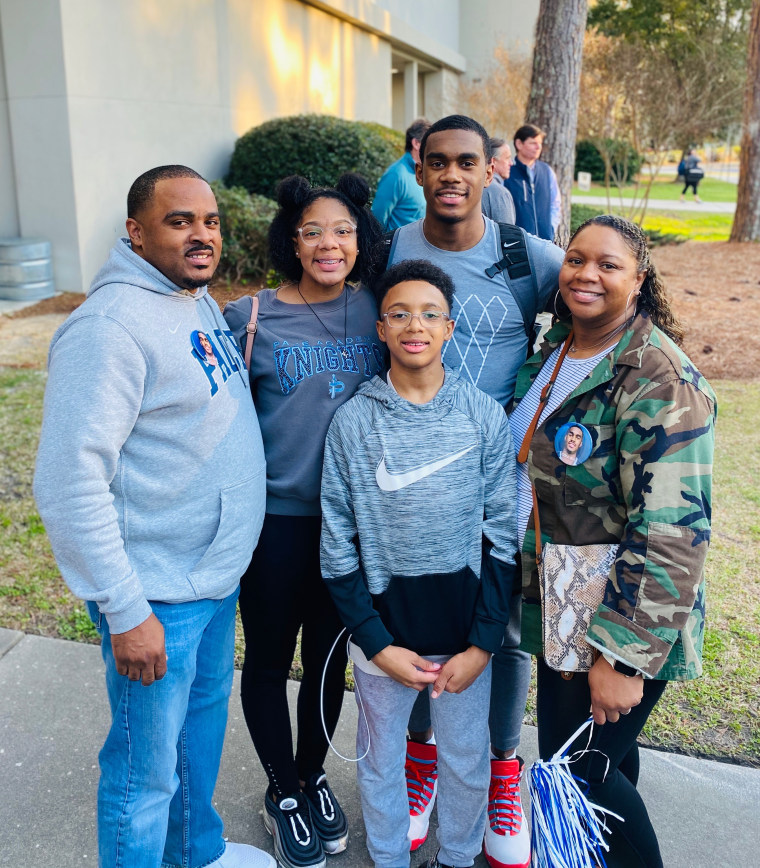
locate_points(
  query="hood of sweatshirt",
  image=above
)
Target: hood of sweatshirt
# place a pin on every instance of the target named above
(378, 389)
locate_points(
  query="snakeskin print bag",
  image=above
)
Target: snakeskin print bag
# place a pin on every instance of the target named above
(573, 579)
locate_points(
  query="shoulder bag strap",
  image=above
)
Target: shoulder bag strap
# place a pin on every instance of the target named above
(522, 455)
(251, 328)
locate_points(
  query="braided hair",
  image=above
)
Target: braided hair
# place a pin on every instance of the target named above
(652, 298)
(295, 195)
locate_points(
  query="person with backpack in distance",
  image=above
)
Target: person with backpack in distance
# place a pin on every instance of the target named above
(504, 277)
(417, 550)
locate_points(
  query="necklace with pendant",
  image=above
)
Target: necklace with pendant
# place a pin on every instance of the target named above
(605, 340)
(343, 349)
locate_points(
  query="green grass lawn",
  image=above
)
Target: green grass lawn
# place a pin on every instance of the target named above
(689, 226)
(717, 715)
(667, 227)
(710, 189)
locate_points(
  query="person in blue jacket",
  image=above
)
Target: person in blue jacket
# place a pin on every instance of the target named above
(150, 481)
(533, 185)
(399, 198)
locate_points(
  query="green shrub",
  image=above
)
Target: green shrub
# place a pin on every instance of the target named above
(245, 223)
(624, 159)
(319, 147)
(580, 214)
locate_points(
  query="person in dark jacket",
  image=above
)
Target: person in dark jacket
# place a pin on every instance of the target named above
(533, 185)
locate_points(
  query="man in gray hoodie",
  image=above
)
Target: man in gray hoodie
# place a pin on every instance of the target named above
(150, 480)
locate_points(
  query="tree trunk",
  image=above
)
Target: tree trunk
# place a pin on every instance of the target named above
(747, 219)
(554, 90)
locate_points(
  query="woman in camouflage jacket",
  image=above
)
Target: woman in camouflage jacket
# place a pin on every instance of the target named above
(646, 485)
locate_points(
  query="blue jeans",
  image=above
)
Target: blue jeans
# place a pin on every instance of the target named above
(159, 763)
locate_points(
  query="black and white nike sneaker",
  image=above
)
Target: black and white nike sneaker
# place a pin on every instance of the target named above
(296, 842)
(329, 820)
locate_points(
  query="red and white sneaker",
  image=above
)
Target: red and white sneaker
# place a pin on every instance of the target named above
(507, 840)
(421, 786)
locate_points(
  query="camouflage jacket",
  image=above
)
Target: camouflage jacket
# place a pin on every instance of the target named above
(646, 484)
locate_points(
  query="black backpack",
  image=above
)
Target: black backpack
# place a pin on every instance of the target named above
(516, 262)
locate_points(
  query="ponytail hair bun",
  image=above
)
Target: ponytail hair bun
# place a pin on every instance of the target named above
(292, 192)
(354, 188)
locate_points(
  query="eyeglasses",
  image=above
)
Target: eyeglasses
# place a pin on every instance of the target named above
(397, 319)
(311, 234)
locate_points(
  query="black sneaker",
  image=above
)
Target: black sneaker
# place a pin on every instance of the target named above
(327, 815)
(432, 862)
(296, 842)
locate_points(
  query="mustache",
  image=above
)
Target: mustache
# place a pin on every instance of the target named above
(199, 247)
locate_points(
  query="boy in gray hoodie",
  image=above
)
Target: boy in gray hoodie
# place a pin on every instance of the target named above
(418, 547)
(150, 480)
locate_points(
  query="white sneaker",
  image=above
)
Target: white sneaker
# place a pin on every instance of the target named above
(507, 839)
(243, 856)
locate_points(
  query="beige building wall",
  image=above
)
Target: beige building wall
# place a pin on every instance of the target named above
(8, 209)
(93, 92)
(484, 24)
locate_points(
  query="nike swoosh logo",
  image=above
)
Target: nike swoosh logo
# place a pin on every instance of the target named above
(511, 244)
(396, 481)
(174, 330)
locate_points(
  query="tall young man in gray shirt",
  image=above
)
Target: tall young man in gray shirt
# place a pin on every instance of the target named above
(489, 344)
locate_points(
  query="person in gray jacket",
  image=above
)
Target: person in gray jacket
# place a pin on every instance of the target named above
(418, 551)
(150, 481)
(497, 201)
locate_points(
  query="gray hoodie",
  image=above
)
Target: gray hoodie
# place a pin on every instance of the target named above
(150, 474)
(413, 497)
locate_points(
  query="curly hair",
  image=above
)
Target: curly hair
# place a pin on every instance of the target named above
(653, 297)
(415, 269)
(295, 195)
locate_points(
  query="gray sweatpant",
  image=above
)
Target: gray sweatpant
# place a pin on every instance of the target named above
(461, 731)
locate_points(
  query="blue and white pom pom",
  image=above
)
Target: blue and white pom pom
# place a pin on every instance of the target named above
(567, 827)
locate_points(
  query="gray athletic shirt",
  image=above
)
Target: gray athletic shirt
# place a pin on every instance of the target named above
(299, 378)
(489, 342)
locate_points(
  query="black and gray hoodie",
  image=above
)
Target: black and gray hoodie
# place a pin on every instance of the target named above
(418, 532)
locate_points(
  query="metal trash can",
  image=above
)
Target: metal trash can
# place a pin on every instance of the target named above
(26, 269)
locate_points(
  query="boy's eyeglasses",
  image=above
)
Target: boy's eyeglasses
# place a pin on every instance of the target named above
(397, 319)
(312, 235)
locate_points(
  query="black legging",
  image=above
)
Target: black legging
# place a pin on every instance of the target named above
(692, 184)
(282, 591)
(562, 706)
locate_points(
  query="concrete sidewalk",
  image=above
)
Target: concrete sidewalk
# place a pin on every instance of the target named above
(54, 717)
(689, 205)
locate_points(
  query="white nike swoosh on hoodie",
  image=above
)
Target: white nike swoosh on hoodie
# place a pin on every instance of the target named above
(396, 481)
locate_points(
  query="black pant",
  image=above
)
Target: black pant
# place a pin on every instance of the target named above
(282, 591)
(692, 184)
(562, 706)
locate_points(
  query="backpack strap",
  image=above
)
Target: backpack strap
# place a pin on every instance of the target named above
(251, 327)
(386, 245)
(522, 279)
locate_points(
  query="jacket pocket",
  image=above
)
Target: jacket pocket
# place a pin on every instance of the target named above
(241, 515)
(430, 614)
